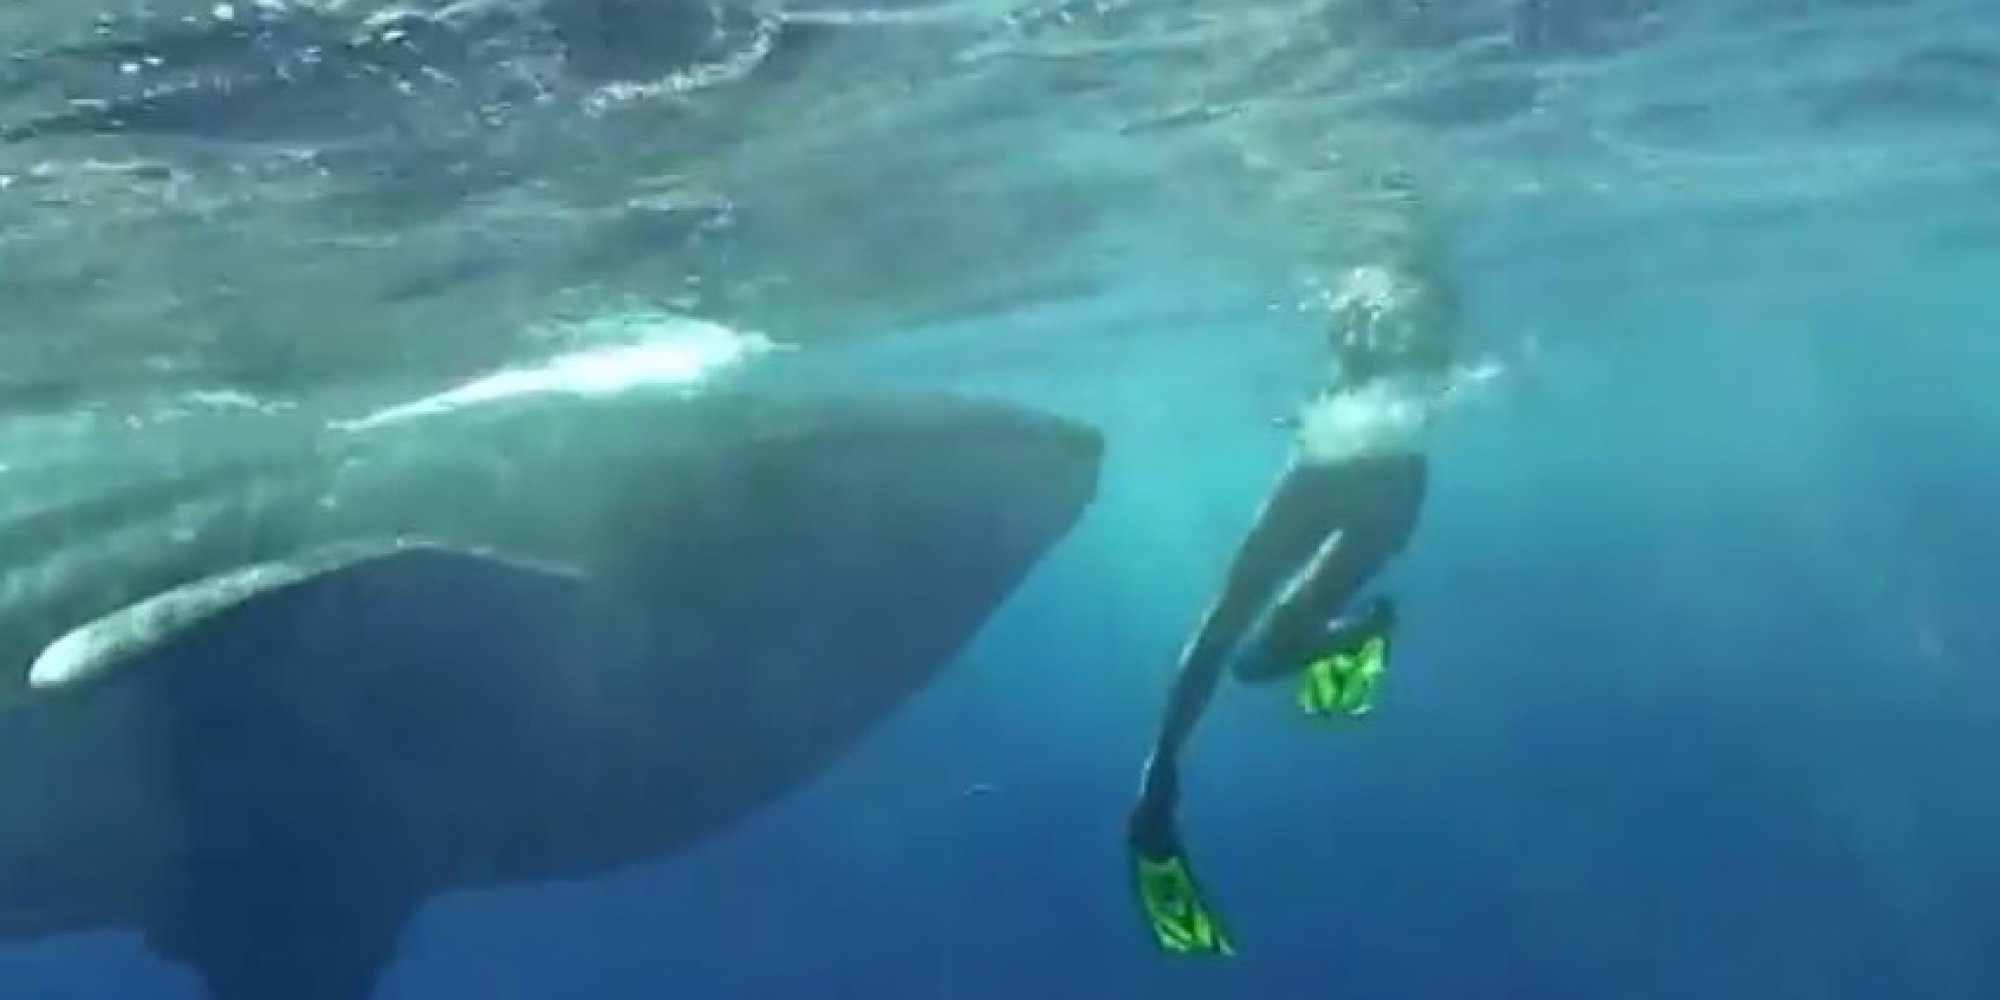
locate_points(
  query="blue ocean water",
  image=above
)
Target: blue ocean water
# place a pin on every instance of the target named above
(1693, 698)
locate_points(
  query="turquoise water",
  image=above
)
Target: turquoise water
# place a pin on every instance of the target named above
(1693, 694)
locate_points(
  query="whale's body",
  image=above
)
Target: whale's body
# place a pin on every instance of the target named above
(487, 649)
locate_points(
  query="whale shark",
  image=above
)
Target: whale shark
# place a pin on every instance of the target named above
(260, 710)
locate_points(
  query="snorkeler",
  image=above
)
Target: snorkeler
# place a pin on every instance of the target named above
(1345, 506)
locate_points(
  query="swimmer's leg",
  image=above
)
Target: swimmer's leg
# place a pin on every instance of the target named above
(1170, 898)
(1337, 655)
(1280, 542)
(1285, 529)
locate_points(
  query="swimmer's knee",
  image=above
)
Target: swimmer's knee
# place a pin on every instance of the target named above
(1285, 649)
(1279, 653)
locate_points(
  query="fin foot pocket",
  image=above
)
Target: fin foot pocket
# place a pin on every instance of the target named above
(1341, 683)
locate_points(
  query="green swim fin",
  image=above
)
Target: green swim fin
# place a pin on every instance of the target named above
(1341, 682)
(1181, 920)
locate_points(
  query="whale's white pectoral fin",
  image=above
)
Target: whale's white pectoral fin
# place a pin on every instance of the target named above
(99, 646)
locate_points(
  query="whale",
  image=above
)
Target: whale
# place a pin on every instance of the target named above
(260, 709)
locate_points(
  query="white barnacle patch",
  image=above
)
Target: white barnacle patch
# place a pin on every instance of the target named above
(672, 351)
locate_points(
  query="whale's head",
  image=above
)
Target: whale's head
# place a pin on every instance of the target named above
(824, 566)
